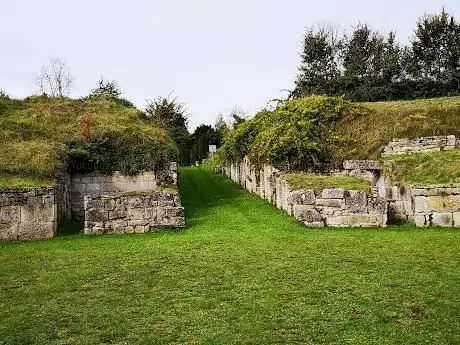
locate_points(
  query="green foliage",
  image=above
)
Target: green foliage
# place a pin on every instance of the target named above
(109, 90)
(171, 116)
(41, 134)
(319, 182)
(296, 135)
(368, 66)
(20, 181)
(424, 168)
(200, 141)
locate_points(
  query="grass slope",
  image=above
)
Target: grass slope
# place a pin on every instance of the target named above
(242, 273)
(425, 168)
(370, 126)
(38, 134)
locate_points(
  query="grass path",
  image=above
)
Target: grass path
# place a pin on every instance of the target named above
(242, 273)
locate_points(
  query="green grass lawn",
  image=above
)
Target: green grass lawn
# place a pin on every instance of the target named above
(242, 273)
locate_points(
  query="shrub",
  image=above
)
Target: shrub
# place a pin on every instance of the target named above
(298, 134)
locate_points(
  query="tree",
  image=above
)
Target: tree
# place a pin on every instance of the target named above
(221, 126)
(320, 62)
(55, 79)
(238, 116)
(171, 115)
(109, 89)
(436, 52)
(200, 140)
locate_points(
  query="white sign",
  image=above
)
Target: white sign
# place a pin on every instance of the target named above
(212, 148)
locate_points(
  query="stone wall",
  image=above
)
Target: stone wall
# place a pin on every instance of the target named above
(96, 184)
(420, 145)
(330, 207)
(432, 205)
(337, 208)
(27, 213)
(132, 212)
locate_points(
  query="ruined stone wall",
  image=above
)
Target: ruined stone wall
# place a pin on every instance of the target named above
(432, 205)
(337, 208)
(96, 184)
(330, 207)
(132, 213)
(27, 213)
(420, 145)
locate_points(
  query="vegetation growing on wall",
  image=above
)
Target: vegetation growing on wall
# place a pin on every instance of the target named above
(296, 135)
(40, 135)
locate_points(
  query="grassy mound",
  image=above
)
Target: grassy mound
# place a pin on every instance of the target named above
(367, 127)
(320, 182)
(425, 168)
(40, 134)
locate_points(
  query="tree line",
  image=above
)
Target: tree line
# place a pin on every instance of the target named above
(366, 65)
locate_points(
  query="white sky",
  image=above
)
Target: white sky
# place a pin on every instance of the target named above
(213, 55)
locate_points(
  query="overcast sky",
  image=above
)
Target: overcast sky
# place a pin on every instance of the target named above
(212, 55)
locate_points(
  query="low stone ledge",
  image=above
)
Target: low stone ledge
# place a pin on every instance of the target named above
(361, 165)
(419, 145)
(118, 213)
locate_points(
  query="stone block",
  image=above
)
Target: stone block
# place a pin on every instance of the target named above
(434, 203)
(338, 203)
(27, 214)
(315, 224)
(356, 202)
(420, 204)
(10, 214)
(337, 221)
(452, 203)
(9, 232)
(135, 213)
(334, 193)
(109, 203)
(377, 206)
(45, 213)
(421, 220)
(35, 231)
(301, 197)
(150, 213)
(307, 214)
(96, 215)
(118, 213)
(365, 220)
(361, 165)
(443, 219)
(456, 219)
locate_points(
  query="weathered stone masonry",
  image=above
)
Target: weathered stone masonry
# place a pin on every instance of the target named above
(27, 213)
(110, 203)
(132, 213)
(424, 144)
(330, 207)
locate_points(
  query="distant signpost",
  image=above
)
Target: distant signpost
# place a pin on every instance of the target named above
(212, 149)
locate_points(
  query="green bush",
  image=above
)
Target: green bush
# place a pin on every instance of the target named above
(299, 134)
